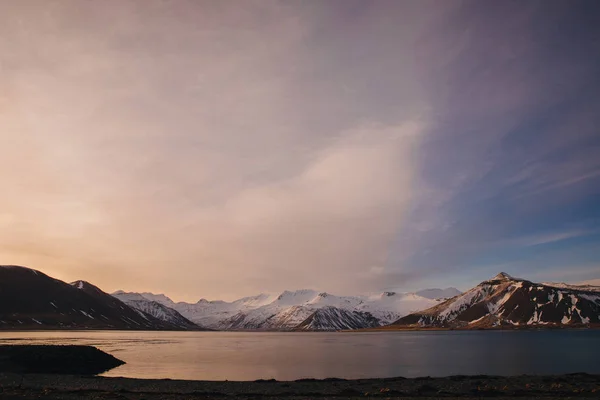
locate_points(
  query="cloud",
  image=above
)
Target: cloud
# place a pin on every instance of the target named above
(547, 238)
(209, 150)
(206, 150)
(513, 151)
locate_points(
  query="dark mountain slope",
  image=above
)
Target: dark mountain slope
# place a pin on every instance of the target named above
(30, 299)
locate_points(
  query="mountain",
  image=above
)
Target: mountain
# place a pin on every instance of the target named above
(504, 301)
(389, 306)
(296, 310)
(155, 309)
(291, 310)
(333, 319)
(442, 294)
(591, 282)
(30, 299)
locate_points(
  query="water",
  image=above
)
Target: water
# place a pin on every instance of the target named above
(289, 356)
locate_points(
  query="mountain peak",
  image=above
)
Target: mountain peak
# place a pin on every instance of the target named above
(508, 301)
(503, 276)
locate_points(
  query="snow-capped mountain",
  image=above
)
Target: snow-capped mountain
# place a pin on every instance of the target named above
(301, 309)
(333, 319)
(389, 306)
(155, 309)
(30, 299)
(507, 301)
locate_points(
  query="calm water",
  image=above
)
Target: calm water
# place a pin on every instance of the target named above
(288, 356)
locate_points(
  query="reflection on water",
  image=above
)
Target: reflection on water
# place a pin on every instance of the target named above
(288, 356)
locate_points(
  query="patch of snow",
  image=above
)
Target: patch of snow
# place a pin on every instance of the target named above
(503, 276)
(86, 314)
(534, 318)
(141, 314)
(588, 287)
(460, 303)
(592, 298)
(477, 320)
(494, 307)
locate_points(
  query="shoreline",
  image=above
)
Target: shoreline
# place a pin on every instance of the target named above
(549, 327)
(525, 386)
(386, 328)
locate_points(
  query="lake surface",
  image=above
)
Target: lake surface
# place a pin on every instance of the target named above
(289, 356)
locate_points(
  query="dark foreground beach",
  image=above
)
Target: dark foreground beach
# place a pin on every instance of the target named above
(34, 386)
(67, 372)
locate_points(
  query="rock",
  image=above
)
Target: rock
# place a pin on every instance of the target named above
(46, 359)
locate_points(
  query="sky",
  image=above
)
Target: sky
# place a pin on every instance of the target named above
(218, 149)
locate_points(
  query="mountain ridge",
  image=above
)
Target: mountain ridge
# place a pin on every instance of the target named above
(294, 309)
(506, 301)
(30, 299)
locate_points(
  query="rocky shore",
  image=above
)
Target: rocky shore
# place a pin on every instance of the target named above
(67, 387)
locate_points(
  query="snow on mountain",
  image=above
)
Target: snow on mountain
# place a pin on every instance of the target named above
(160, 311)
(346, 302)
(583, 286)
(211, 314)
(332, 319)
(128, 296)
(30, 299)
(439, 293)
(384, 308)
(290, 309)
(288, 298)
(508, 301)
(285, 312)
(591, 282)
(251, 302)
(159, 298)
(389, 306)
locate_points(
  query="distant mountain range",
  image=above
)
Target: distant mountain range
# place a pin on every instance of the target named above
(298, 310)
(30, 299)
(504, 301)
